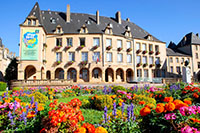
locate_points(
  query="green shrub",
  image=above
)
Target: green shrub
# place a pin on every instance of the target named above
(99, 102)
(3, 86)
(39, 97)
(146, 99)
(116, 88)
(16, 88)
(85, 103)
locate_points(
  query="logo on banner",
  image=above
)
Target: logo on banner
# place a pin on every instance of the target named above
(30, 39)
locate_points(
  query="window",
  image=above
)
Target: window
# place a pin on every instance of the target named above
(58, 56)
(156, 48)
(58, 41)
(146, 73)
(196, 47)
(157, 60)
(177, 60)
(198, 64)
(150, 47)
(188, 60)
(71, 56)
(84, 56)
(96, 42)
(178, 70)
(144, 47)
(171, 69)
(137, 46)
(82, 41)
(108, 42)
(129, 58)
(96, 56)
(29, 22)
(34, 22)
(109, 57)
(84, 30)
(69, 42)
(197, 56)
(144, 60)
(151, 60)
(96, 73)
(119, 43)
(139, 73)
(59, 30)
(128, 45)
(119, 57)
(171, 60)
(163, 73)
(138, 59)
(182, 60)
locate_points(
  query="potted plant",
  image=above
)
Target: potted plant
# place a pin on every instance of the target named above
(108, 48)
(158, 52)
(129, 50)
(67, 47)
(44, 44)
(80, 47)
(139, 64)
(58, 62)
(151, 52)
(95, 47)
(45, 61)
(83, 63)
(145, 65)
(138, 51)
(57, 47)
(119, 49)
(145, 51)
(151, 65)
(70, 62)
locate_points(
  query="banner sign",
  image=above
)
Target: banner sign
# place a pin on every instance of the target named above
(29, 49)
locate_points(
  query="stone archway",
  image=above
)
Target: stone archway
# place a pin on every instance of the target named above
(109, 75)
(84, 74)
(129, 75)
(119, 75)
(48, 75)
(30, 72)
(59, 73)
(72, 74)
(97, 74)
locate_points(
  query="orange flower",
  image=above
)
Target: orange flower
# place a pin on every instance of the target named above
(80, 130)
(101, 130)
(178, 104)
(40, 108)
(188, 102)
(142, 102)
(168, 99)
(170, 106)
(160, 108)
(31, 114)
(145, 111)
(195, 95)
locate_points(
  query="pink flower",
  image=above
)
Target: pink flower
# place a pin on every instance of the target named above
(198, 109)
(170, 116)
(188, 129)
(129, 97)
(123, 92)
(11, 105)
(187, 110)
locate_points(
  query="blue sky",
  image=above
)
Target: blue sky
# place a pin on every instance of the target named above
(168, 20)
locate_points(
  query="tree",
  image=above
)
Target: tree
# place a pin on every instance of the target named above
(11, 70)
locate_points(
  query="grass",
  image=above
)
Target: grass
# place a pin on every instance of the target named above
(1, 92)
(68, 99)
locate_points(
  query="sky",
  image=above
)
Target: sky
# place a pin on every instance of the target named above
(167, 20)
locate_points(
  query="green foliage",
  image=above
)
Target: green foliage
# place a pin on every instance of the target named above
(16, 88)
(99, 102)
(147, 99)
(85, 103)
(116, 88)
(39, 97)
(3, 86)
(11, 70)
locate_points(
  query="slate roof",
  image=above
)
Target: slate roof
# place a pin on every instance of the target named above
(1, 44)
(171, 52)
(188, 39)
(78, 19)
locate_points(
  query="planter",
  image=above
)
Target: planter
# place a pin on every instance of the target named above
(138, 51)
(145, 65)
(44, 61)
(83, 63)
(57, 47)
(151, 52)
(70, 62)
(144, 52)
(44, 45)
(80, 47)
(67, 47)
(151, 65)
(58, 62)
(108, 48)
(95, 47)
(119, 49)
(139, 64)
(158, 52)
(129, 50)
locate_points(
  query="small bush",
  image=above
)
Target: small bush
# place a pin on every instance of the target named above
(16, 88)
(3, 86)
(116, 88)
(99, 102)
(39, 97)
(146, 99)
(85, 103)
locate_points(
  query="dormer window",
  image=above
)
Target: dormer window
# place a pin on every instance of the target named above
(29, 21)
(108, 29)
(83, 29)
(59, 29)
(34, 22)
(53, 21)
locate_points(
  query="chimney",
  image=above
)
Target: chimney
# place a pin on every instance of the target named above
(68, 14)
(128, 19)
(97, 17)
(197, 34)
(118, 17)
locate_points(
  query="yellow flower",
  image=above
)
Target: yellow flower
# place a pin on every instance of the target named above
(101, 130)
